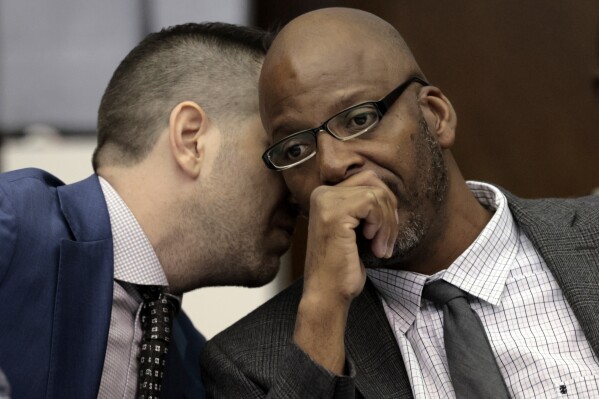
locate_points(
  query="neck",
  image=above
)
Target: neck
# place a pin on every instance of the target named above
(458, 223)
(151, 199)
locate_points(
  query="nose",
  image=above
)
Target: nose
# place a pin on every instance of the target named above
(337, 159)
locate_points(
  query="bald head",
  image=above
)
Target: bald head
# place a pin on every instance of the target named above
(320, 29)
(332, 49)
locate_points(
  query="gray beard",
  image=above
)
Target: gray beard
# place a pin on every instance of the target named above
(409, 237)
(433, 174)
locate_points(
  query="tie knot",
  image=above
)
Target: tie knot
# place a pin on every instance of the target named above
(441, 292)
(159, 308)
(150, 292)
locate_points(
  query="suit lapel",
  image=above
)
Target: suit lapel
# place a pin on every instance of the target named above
(380, 370)
(83, 295)
(569, 243)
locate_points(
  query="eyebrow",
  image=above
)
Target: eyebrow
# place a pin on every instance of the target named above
(285, 129)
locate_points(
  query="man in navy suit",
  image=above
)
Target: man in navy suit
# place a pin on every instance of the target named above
(180, 200)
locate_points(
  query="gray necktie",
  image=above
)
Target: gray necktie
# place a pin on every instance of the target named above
(472, 365)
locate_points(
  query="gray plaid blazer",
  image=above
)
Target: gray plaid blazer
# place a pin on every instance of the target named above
(256, 358)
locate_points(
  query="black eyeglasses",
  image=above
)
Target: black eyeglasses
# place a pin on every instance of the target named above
(345, 125)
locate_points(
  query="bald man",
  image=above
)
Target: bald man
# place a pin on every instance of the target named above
(363, 142)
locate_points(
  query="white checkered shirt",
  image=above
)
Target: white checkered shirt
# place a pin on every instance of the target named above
(538, 343)
(135, 263)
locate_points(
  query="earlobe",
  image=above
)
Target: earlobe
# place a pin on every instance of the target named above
(187, 125)
(439, 115)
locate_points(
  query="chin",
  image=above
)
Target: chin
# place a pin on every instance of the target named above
(401, 251)
(260, 281)
(262, 274)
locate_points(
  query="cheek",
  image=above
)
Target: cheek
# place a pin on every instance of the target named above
(398, 153)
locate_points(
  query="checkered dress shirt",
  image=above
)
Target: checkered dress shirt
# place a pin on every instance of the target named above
(135, 263)
(538, 343)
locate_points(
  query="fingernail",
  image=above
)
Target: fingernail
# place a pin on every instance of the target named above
(396, 217)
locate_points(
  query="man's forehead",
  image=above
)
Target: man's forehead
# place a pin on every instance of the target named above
(296, 70)
(337, 37)
(320, 54)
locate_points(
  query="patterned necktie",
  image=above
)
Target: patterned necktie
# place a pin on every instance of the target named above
(157, 315)
(472, 365)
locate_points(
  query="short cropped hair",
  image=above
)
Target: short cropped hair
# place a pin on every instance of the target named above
(214, 64)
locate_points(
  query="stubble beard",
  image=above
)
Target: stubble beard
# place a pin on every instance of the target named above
(226, 248)
(431, 189)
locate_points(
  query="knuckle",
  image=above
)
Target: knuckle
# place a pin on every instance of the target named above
(318, 196)
(323, 192)
(376, 195)
(371, 195)
(322, 205)
(370, 174)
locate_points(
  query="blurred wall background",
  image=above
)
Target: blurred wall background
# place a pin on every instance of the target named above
(523, 76)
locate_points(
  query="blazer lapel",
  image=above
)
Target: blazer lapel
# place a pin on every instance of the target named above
(380, 370)
(569, 243)
(83, 295)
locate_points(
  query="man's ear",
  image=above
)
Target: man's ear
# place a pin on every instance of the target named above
(188, 127)
(439, 114)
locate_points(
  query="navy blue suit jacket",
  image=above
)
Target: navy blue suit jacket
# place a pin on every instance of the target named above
(56, 283)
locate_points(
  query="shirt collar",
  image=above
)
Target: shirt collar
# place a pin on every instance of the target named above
(401, 291)
(135, 260)
(481, 270)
